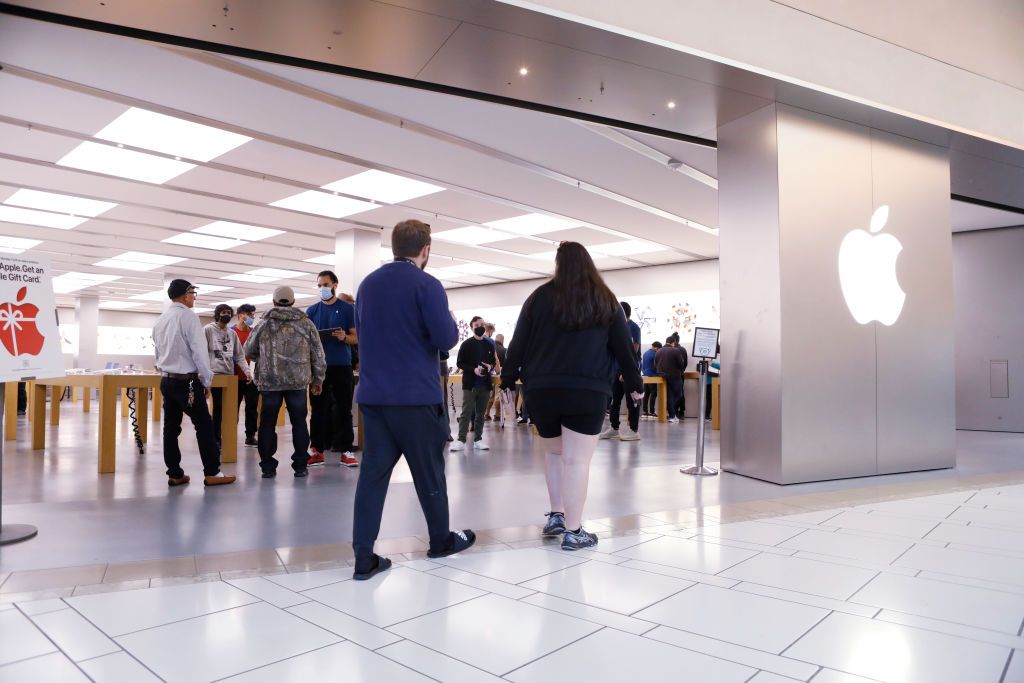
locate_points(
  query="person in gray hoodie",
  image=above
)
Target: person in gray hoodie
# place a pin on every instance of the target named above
(289, 359)
(225, 355)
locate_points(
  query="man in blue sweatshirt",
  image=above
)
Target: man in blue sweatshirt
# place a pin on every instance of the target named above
(399, 306)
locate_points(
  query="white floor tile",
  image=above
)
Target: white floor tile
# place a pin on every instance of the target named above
(610, 587)
(963, 563)
(848, 546)
(74, 635)
(394, 596)
(55, 668)
(676, 572)
(514, 566)
(913, 507)
(1011, 519)
(590, 613)
(894, 653)
(999, 502)
(708, 558)
(742, 618)
(420, 565)
(342, 662)
(766, 677)
(21, 639)
(879, 522)
(117, 668)
(757, 548)
(832, 676)
(761, 533)
(808, 599)
(952, 498)
(756, 659)
(985, 537)
(435, 665)
(304, 581)
(959, 630)
(611, 656)
(509, 590)
(591, 555)
(614, 545)
(268, 591)
(804, 576)
(34, 607)
(494, 633)
(119, 613)
(348, 627)
(979, 583)
(847, 562)
(960, 604)
(217, 645)
(1015, 672)
(815, 517)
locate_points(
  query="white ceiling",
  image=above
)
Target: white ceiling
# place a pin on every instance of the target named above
(965, 216)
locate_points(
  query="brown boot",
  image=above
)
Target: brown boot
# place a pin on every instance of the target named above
(183, 479)
(218, 479)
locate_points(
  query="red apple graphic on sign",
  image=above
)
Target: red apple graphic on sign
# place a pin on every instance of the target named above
(18, 332)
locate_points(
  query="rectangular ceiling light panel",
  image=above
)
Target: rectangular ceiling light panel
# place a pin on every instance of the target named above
(323, 204)
(16, 245)
(16, 214)
(59, 203)
(74, 281)
(626, 248)
(238, 231)
(531, 224)
(472, 235)
(169, 135)
(161, 294)
(120, 305)
(124, 163)
(383, 187)
(191, 239)
(137, 260)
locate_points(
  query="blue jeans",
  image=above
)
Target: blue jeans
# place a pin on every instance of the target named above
(295, 400)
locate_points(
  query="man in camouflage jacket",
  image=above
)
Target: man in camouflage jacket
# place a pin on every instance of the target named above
(289, 358)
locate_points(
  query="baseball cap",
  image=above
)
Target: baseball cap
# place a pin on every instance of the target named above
(284, 296)
(178, 288)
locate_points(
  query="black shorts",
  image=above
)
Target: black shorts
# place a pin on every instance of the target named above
(580, 410)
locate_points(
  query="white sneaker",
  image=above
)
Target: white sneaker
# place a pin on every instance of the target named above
(481, 445)
(457, 446)
(673, 420)
(610, 433)
(628, 435)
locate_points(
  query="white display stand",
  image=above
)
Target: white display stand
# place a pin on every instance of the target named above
(29, 343)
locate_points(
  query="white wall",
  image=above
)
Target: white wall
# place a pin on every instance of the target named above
(988, 290)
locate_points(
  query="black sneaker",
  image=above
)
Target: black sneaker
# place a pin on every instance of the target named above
(380, 564)
(555, 525)
(457, 542)
(269, 474)
(299, 474)
(250, 441)
(577, 540)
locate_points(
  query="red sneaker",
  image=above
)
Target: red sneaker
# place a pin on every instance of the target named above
(348, 460)
(316, 458)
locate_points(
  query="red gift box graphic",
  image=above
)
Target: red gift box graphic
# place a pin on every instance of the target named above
(18, 331)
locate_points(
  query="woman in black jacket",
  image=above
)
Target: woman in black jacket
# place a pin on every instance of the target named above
(569, 334)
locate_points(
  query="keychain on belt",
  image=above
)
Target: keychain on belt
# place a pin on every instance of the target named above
(191, 393)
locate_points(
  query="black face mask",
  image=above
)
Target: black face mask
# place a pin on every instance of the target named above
(478, 331)
(225, 319)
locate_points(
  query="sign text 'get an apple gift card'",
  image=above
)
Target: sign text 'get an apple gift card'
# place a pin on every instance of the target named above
(29, 340)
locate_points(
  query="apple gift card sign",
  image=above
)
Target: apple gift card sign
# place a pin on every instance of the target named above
(29, 340)
(867, 272)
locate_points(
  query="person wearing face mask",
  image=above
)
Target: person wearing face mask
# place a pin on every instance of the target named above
(247, 390)
(226, 358)
(477, 358)
(335, 320)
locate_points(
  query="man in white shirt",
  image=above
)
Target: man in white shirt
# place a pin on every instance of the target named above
(183, 360)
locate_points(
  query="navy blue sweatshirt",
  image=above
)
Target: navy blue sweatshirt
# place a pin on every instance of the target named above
(403, 322)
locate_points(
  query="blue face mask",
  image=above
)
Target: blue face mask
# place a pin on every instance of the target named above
(326, 293)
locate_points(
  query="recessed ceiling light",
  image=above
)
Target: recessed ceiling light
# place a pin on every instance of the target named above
(191, 239)
(61, 221)
(472, 235)
(120, 305)
(16, 245)
(523, 71)
(124, 163)
(471, 269)
(531, 224)
(671, 105)
(383, 187)
(238, 231)
(277, 273)
(161, 294)
(255, 299)
(627, 248)
(247, 277)
(177, 137)
(323, 204)
(59, 203)
(74, 281)
(138, 260)
(544, 255)
(325, 260)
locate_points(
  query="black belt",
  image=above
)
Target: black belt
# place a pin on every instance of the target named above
(174, 375)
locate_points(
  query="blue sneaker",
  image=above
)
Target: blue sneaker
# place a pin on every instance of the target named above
(555, 525)
(573, 540)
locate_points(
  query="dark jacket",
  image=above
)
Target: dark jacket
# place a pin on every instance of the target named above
(472, 352)
(545, 356)
(287, 351)
(671, 361)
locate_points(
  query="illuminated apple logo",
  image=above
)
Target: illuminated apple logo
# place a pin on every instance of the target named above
(867, 273)
(18, 332)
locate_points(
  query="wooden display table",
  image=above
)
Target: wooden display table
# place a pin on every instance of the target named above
(108, 387)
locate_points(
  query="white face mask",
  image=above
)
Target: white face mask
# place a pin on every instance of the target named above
(326, 293)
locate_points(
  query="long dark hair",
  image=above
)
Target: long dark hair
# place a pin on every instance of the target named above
(581, 298)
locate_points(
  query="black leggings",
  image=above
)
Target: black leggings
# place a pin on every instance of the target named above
(580, 410)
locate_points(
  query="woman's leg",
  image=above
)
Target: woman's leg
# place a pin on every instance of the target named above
(577, 450)
(554, 472)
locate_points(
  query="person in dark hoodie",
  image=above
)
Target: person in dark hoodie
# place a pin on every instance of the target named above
(570, 334)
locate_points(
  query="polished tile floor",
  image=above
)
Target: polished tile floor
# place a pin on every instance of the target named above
(883, 587)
